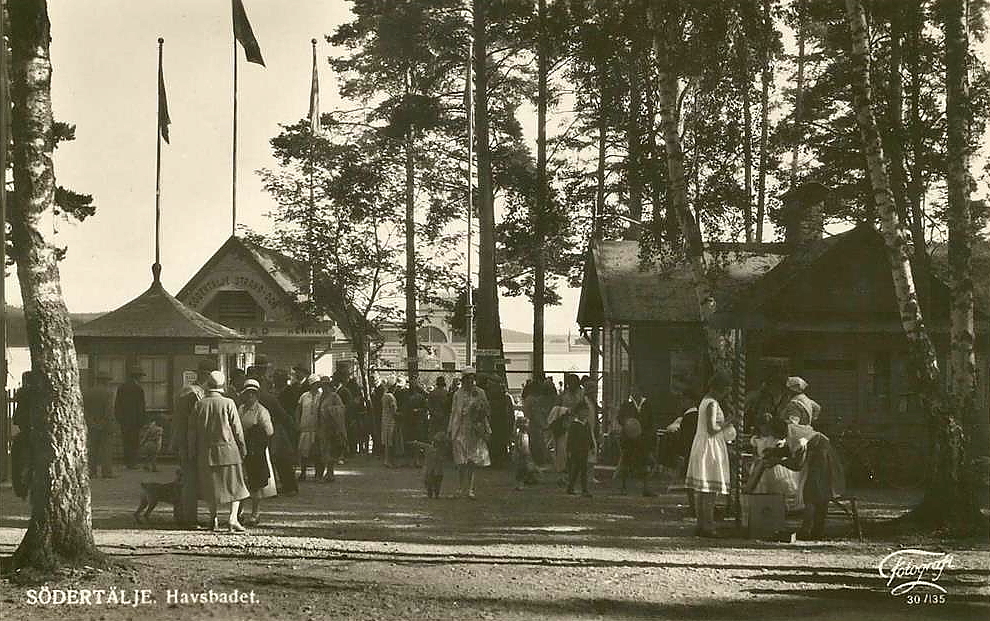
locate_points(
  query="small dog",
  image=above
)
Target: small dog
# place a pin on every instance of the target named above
(433, 463)
(153, 493)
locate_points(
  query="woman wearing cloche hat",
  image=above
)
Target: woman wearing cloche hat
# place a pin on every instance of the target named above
(258, 431)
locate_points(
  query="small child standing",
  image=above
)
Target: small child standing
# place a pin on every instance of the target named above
(150, 444)
(579, 445)
(432, 462)
(525, 467)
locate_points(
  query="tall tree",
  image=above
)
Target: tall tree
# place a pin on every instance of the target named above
(60, 528)
(540, 269)
(488, 324)
(962, 228)
(946, 499)
(404, 58)
(669, 23)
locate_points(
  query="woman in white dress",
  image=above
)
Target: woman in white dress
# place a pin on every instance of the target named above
(469, 430)
(708, 467)
(258, 431)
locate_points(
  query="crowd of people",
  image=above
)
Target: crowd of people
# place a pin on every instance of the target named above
(243, 437)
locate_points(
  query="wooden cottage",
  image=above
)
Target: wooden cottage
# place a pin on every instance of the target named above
(822, 308)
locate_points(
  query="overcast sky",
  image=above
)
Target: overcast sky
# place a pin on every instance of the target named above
(104, 54)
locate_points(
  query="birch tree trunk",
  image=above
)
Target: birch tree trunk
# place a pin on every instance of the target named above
(946, 500)
(799, 93)
(744, 69)
(962, 228)
(766, 77)
(60, 530)
(667, 35)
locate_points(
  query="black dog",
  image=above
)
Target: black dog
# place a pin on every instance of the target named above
(153, 493)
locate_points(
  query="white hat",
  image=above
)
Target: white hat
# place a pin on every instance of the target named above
(250, 384)
(313, 379)
(216, 379)
(469, 371)
(796, 384)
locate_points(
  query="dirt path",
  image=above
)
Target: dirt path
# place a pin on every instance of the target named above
(371, 547)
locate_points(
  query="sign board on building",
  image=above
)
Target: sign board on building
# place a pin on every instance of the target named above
(322, 330)
(201, 350)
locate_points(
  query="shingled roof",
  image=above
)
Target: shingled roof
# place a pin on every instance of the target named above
(156, 314)
(619, 287)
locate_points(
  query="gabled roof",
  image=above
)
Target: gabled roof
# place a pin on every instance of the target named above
(619, 288)
(156, 314)
(748, 279)
(288, 276)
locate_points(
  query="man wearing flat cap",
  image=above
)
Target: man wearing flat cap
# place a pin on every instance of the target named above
(129, 410)
(100, 425)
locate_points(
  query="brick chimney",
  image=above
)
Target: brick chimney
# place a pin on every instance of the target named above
(803, 213)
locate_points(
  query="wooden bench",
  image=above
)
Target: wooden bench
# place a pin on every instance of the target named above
(848, 506)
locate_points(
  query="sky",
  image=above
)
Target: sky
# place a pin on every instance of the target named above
(104, 57)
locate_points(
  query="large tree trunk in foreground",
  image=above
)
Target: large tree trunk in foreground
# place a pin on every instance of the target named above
(667, 37)
(488, 326)
(60, 530)
(946, 502)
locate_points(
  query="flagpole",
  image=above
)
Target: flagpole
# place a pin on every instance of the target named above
(233, 181)
(156, 268)
(469, 99)
(312, 202)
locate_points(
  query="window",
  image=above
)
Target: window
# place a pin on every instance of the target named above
(233, 307)
(431, 334)
(115, 367)
(155, 382)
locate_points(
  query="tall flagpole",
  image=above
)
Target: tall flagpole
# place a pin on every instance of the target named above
(156, 268)
(233, 181)
(312, 201)
(469, 100)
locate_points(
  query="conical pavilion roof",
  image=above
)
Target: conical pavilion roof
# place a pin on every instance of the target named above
(156, 314)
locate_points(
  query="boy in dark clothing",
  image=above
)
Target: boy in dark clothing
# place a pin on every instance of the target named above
(579, 445)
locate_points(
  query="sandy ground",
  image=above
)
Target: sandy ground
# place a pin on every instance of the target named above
(372, 546)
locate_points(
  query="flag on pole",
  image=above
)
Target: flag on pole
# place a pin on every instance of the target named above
(163, 120)
(244, 34)
(314, 98)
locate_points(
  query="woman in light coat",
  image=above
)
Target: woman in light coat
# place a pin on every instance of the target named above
(220, 450)
(469, 430)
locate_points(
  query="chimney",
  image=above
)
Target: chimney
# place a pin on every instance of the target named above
(803, 213)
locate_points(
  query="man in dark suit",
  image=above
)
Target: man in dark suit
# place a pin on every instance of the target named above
(129, 410)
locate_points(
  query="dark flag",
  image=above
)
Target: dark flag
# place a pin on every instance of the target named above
(314, 98)
(163, 120)
(245, 35)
